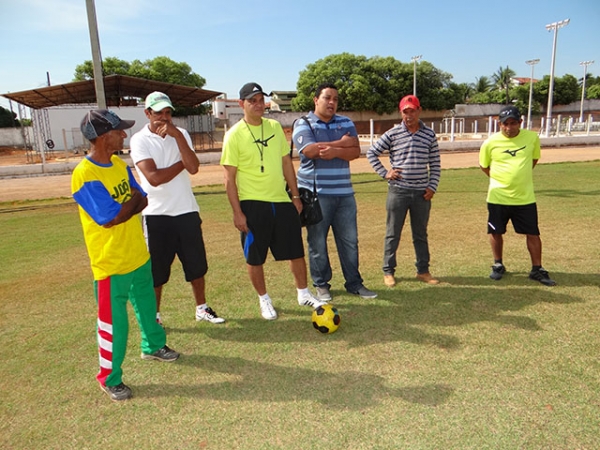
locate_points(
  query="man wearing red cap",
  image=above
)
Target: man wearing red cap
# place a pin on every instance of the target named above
(109, 200)
(413, 180)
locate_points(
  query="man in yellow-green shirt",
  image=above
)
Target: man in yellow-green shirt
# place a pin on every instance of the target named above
(257, 163)
(508, 158)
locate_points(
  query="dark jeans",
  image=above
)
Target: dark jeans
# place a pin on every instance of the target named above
(339, 215)
(399, 203)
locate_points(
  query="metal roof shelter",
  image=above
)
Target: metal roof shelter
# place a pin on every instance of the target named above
(118, 88)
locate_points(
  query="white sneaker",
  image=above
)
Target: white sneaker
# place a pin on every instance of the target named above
(310, 300)
(208, 314)
(267, 310)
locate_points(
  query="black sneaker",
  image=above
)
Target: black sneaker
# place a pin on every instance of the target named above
(165, 354)
(498, 270)
(118, 392)
(542, 276)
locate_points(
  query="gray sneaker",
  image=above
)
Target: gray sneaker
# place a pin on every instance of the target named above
(323, 293)
(542, 276)
(164, 354)
(117, 393)
(498, 270)
(363, 292)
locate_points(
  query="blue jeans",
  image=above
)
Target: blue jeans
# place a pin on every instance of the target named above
(339, 214)
(399, 203)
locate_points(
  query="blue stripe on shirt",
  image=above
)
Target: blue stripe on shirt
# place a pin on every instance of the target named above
(333, 176)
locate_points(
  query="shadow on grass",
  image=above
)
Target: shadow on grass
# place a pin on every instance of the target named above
(344, 390)
(565, 193)
(401, 315)
(521, 279)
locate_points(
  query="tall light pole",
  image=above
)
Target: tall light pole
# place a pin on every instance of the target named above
(554, 26)
(414, 60)
(584, 64)
(532, 63)
(96, 57)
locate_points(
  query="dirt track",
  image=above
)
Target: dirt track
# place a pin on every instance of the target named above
(42, 187)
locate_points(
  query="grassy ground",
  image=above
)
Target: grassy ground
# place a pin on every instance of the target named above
(470, 363)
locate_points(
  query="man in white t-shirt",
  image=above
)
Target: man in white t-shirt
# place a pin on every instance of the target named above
(164, 158)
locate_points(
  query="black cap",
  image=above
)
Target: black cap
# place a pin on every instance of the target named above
(249, 90)
(509, 111)
(99, 121)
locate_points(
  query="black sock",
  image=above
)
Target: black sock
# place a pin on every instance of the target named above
(498, 261)
(535, 268)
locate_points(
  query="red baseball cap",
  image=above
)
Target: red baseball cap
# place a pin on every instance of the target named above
(409, 101)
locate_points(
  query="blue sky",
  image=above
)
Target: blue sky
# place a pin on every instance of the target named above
(231, 42)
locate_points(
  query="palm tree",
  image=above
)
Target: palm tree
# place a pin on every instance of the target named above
(503, 78)
(482, 84)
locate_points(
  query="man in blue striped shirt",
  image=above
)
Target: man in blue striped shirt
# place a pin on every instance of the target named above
(413, 180)
(326, 143)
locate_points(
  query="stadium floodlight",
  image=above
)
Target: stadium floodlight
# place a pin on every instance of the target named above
(532, 63)
(554, 26)
(585, 64)
(414, 60)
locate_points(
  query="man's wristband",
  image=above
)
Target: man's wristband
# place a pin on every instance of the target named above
(295, 196)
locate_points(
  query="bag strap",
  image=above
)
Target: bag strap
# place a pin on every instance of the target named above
(305, 118)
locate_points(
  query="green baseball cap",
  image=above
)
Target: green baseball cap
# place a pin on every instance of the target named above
(157, 101)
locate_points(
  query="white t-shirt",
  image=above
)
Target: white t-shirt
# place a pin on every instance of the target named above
(169, 199)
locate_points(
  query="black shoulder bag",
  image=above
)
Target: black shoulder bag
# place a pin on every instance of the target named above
(311, 209)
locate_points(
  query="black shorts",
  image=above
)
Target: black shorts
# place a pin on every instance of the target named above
(274, 226)
(176, 235)
(523, 217)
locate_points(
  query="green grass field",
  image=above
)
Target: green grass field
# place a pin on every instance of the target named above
(467, 364)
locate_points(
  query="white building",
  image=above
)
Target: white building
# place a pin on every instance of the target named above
(223, 107)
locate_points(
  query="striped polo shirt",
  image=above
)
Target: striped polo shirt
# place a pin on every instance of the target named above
(417, 154)
(333, 176)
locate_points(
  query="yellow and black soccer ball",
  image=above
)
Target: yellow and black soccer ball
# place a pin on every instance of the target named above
(326, 319)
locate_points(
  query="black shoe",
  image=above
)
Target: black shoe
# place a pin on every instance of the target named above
(165, 354)
(498, 270)
(118, 392)
(542, 276)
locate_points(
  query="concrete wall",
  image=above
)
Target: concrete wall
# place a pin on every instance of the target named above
(13, 137)
(65, 120)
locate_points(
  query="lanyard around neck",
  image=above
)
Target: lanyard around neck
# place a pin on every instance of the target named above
(262, 141)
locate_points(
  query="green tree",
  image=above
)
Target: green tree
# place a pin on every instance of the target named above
(110, 66)
(375, 84)
(593, 92)
(503, 80)
(7, 118)
(566, 90)
(460, 93)
(520, 95)
(493, 96)
(434, 88)
(336, 69)
(592, 87)
(160, 68)
(482, 84)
